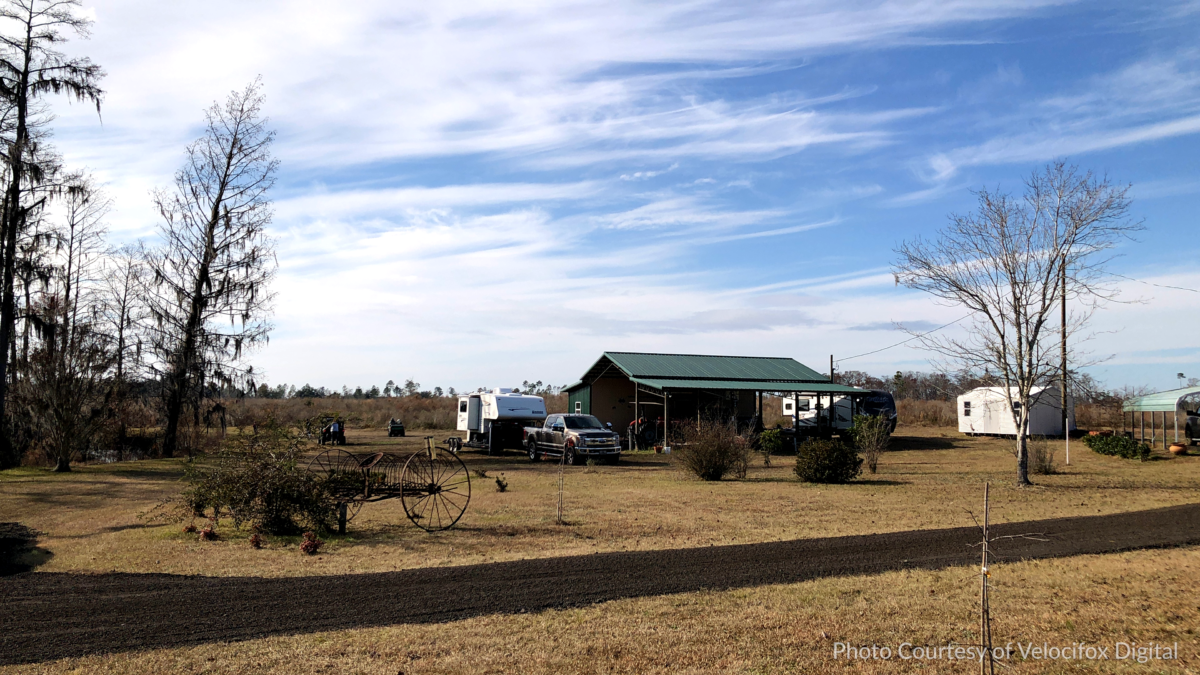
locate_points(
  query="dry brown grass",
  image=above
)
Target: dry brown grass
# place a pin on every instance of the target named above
(1144, 596)
(926, 413)
(90, 517)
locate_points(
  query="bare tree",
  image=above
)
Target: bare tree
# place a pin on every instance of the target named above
(31, 67)
(80, 248)
(123, 308)
(209, 297)
(1005, 264)
(64, 394)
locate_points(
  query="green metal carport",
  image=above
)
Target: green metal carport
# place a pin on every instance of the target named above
(1170, 401)
(620, 385)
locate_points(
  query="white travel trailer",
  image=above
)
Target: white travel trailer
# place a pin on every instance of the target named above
(497, 419)
(807, 417)
(873, 403)
(985, 411)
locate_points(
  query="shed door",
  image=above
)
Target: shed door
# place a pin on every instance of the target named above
(474, 413)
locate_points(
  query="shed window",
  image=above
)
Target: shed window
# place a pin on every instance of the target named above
(578, 406)
(966, 408)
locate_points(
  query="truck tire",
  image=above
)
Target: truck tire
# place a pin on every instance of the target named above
(569, 456)
(533, 453)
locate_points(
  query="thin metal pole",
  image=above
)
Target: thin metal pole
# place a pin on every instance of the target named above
(1063, 384)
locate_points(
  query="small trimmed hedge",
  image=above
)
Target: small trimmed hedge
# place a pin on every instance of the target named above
(819, 461)
(1118, 446)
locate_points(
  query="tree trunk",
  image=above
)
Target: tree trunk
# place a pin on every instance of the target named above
(62, 465)
(10, 225)
(1023, 453)
(178, 381)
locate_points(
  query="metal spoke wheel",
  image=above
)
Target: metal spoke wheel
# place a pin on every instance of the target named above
(437, 489)
(343, 477)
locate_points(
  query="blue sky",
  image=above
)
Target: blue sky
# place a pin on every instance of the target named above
(481, 193)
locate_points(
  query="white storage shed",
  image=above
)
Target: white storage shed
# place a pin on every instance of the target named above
(985, 411)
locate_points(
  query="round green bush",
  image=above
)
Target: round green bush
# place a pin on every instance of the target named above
(821, 461)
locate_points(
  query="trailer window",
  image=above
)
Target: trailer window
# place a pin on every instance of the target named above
(462, 406)
(966, 408)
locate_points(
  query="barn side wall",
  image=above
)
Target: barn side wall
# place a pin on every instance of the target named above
(612, 401)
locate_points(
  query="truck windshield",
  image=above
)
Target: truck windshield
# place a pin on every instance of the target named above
(583, 422)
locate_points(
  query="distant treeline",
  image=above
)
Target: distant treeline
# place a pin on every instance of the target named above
(917, 386)
(389, 390)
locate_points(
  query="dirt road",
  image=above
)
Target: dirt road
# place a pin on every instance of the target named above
(50, 616)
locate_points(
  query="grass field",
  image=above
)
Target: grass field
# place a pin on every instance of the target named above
(90, 517)
(89, 520)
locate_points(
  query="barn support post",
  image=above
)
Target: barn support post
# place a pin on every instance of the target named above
(1176, 416)
(637, 416)
(1142, 418)
(666, 422)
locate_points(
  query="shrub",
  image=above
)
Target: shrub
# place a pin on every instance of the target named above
(501, 484)
(770, 442)
(190, 528)
(1041, 457)
(209, 533)
(819, 461)
(310, 545)
(710, 450)
(258, 480)
(1118, 446)
(871, 434)
(256, 540)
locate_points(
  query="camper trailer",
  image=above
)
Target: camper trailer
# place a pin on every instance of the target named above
(985, 411)
(497, 419)
(875, 403)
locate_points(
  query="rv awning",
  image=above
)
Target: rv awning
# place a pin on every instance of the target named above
(1163, 401)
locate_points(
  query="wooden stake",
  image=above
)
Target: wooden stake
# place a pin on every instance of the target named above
(562, 465)
(987, 663)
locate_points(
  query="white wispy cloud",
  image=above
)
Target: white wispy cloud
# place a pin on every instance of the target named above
(479, 191)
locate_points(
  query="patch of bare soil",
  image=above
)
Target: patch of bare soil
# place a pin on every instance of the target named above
(51, 616)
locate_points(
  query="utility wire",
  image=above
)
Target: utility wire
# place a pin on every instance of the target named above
(1149, 283)
(921, 335)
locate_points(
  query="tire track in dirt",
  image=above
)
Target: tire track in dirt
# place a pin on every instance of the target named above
(52, 615)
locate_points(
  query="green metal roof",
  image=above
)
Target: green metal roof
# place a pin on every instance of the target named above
(750, 385)
(688, 371)
(677, 366)
(1163, 401)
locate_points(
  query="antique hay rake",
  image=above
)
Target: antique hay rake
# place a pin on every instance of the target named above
(433, 484)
